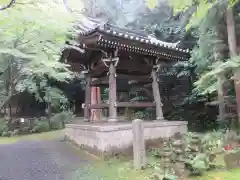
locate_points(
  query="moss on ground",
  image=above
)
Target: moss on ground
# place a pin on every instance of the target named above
(115, 169)
(36, 137)
(119, 169)
(223, 175)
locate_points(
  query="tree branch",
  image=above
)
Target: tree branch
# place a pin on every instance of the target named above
(10, 4)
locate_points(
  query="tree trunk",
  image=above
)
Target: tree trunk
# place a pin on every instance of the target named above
(49, 114)
(220, 80)
(9, 92)
(233, 52)
(221, 101)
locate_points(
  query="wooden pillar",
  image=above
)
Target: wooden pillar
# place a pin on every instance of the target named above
(95, 99)
(156, 94)
(87, 98)
(112, 93)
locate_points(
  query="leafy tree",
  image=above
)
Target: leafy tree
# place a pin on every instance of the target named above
(201, 7)
(214, 63)
(30, 50)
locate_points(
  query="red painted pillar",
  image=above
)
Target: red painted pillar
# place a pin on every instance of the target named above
(95, 99)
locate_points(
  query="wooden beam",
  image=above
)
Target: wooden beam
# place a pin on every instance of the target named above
(140, 82)
(132, 66)
(99, 106)
(147, 85)
(104, 80)
(100, 84)
(128, 65)
(124, 104)
(100, 81)
(127, 76)
(133, 77)
(136, 104)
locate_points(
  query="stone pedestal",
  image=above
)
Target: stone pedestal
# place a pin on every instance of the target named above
(115, 138)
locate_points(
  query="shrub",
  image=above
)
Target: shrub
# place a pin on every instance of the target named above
(197, 152)
(59, 120)
(146, 114)
(6, 134)
(3, 127)
(40, 125)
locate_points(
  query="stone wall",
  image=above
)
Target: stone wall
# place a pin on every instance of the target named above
(114, 138)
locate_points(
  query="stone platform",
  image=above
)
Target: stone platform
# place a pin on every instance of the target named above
(113, 138)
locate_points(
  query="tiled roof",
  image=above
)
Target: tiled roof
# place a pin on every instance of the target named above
(90, 27)
(134, 35)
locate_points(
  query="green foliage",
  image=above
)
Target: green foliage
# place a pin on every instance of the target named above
(56, 122)
(31, 47)
(212, 142)
(200, 163)
(207, 82)
(171, 177)
(59, 120)
(3, 127)
(104, 95)
(202, 8)
(143, 114)
(198, 159)
(40, 125)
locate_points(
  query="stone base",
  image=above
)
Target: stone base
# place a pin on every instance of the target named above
(112, 138)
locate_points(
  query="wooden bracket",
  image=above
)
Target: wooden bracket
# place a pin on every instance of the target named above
(157, 60)
(107, 61)
(86, 69)
(157, 65)
(111, 59)
(116, 60)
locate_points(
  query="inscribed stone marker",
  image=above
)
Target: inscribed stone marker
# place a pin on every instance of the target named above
(139, 155)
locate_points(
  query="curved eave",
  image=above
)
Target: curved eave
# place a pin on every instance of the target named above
(155, 52)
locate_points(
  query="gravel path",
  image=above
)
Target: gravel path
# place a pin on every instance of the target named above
(42, 160)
